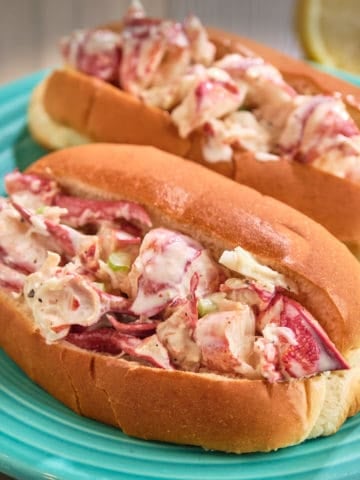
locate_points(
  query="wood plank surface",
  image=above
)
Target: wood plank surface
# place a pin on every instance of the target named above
(30, 29)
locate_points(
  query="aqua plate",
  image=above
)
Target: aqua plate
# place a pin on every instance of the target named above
(42, 439)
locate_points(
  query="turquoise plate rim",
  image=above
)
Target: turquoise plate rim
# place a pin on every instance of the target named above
(42, 439)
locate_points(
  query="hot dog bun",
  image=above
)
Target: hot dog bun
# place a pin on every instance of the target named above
(210, 410)
(101, 112)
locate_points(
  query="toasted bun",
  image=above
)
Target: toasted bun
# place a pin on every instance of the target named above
(213, 411)
(71, 108)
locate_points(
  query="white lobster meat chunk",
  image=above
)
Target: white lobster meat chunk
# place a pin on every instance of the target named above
(212, 96)
(202, 50)
(64, 240)
(60, 297)
(320, 131)
(149, 349)
(239, 130)
(248, 292)
(154, 52)
(164, 268)
(170, 94)
(112, 239)
(176, 332)
(267, 90)
(226, 340)
(20, 248)
(266, 84)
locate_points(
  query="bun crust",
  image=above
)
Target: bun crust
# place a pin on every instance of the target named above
(102, 113)
(213, 411)
(322, 196)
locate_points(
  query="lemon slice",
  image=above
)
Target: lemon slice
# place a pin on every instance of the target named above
(329, 31)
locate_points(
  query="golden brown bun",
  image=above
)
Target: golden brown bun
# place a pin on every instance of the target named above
(209, 410)
(104, 113)
(328, 200)
(72, 108)
(186, 408)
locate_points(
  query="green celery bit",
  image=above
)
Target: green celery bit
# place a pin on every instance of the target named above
(119, 261)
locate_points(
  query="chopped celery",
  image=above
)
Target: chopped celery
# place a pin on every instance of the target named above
(100, 286)
(205, 306)
(119, 261)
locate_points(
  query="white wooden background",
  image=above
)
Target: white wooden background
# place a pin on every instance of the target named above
(30, 29)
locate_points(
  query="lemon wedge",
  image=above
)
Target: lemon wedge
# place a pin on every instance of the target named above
(329, 31)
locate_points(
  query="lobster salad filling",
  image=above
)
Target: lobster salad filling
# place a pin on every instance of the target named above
(237, 102)
(98, 275)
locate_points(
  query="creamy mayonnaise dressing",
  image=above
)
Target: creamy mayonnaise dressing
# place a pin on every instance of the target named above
(165, 267)
(29, 251)
(214, 95)
(59, 298)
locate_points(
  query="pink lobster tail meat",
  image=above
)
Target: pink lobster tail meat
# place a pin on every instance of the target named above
(34, 259)
(191, 307)
(62, 235)
(149, 349)
(11, 279)
(125, 239)
(136, 328)
(60, 297)
(108, 340)
(113, 303)
(67, 240)
(104, 340)
(94, 52)
(312, 351)
(17, 182)
(82, 211)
